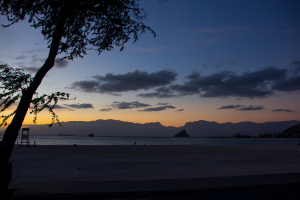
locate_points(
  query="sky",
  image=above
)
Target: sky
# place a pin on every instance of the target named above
(217, 60)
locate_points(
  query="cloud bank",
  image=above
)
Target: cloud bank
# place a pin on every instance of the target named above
(261, 83)
(230, 107)
(160, 108)
(283, 110)
(136, 104)
(131, 81)
(105, 110)
(250, 108)
(242, 108)
(128, 105)
(80, 106)
(257, 84)
(36, 61)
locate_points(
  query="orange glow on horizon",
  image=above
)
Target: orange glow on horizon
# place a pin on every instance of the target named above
(168, 120)
(194, 110)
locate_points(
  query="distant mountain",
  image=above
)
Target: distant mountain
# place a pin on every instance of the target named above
(104, 128)
(195, 129)
(204, 128)
(293, 131)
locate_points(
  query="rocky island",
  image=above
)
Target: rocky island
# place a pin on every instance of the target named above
(182, 134)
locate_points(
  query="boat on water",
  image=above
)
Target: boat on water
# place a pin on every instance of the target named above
(91, 135)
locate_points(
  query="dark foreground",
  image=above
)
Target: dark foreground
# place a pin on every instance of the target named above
(159, 188)
(273, 193)
(141, 172)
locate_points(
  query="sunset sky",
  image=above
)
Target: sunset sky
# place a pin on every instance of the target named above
(216, 60)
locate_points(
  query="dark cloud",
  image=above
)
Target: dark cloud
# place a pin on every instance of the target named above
(36, 59)
(227, 83)
(168, 92)
(184, 90)
(219, 64)
(160, 108)
(163, 89)
(288, 85)
(295, 67)
(232, 63)
(283, 110)
(105, 109)
(58, 107)
(193, 75)
(162, 104)
(130, 81)
(60, 63)
(230, 107)
(86, 86)
(136, 80)
(35, 50)
(180, 110)
(80, 106)
(204, 66)
(20, 64)
(22, 57)
(31, 69)
(128, 105)
(257, 84)
(249, 108)
(159, 95)
(137, 104)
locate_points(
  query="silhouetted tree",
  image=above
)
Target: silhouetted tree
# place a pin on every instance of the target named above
(71, 27)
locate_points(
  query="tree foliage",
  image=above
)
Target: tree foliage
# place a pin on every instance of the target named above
(12, 84)
(70, 27)
(92, 24)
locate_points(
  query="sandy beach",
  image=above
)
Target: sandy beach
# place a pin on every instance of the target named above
(104, 163)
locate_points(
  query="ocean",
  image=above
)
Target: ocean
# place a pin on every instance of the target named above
(85, 140)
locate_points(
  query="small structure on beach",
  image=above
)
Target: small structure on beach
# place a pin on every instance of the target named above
(182, 134)
(25, 136)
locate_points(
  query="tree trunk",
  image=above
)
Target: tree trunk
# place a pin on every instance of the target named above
(12, 131)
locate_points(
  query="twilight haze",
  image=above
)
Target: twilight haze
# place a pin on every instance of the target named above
(222, 61)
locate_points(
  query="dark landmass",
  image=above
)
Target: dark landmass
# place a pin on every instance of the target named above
(293, 131)
(182, 134)
(195, 129)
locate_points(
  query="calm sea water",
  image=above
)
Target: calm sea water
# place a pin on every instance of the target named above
(84, 140)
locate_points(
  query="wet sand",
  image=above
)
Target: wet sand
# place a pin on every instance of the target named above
(138, 162)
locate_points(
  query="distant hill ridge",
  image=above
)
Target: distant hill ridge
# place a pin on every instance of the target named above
(199, 128)
(292, 131)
